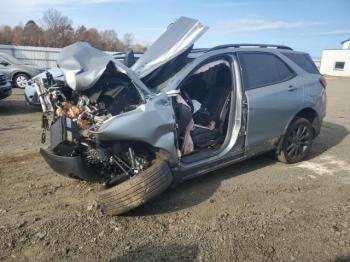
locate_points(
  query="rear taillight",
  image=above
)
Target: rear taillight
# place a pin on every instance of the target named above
(323, 82)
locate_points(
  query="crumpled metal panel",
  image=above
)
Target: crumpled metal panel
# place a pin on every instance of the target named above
(152, 123)
(83, 65)
(174, 41)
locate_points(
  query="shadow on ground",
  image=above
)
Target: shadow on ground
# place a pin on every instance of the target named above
(197, 190)
(200, 189)
(342, 259)
(172, 252)
(331, 135)
(16, 104)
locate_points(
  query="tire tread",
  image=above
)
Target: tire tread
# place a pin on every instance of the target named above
(137, 190)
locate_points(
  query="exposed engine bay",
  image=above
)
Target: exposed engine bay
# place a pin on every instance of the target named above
(89, 109)
(73, 118)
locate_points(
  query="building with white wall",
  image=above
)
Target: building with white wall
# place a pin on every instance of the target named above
(336, 62)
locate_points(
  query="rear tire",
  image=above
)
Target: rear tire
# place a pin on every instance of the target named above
(136, 191)
(297, 141)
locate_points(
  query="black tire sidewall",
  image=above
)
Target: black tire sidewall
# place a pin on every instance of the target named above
(292, 126)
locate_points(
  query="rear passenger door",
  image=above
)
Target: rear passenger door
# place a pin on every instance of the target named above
(273, 95)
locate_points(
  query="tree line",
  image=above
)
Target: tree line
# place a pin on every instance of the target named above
(56, 30)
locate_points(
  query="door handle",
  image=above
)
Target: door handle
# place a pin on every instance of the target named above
(291, 88)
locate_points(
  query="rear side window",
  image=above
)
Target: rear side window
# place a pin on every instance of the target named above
(304, 61)
(262, 69)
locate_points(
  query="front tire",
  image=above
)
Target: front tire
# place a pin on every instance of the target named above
(297, 141)
(20, 80)
(138, 190)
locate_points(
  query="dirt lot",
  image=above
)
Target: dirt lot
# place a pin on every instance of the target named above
(258, 210)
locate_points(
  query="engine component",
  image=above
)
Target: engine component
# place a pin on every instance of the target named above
(74, 117)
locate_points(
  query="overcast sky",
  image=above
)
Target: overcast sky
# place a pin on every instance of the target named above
(309, 26)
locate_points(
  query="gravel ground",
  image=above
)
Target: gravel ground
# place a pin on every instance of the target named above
(258, 210)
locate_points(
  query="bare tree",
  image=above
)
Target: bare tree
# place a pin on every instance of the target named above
(93, 38)
(108, 38)
(32, 34)
(17, 35)
(80, 34)
(54, 20)
(128, 39)
(138, 48)
(6, 35)
(59, 30)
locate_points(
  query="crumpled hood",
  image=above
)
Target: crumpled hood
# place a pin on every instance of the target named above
(83, 65)
(179, 37)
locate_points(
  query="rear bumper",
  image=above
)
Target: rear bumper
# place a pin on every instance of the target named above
(72, 167)
(5, 90)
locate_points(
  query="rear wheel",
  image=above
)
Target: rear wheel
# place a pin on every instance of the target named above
(297, 141)
(20, 80)
(137, 190)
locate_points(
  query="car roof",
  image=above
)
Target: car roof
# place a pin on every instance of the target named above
(198, 52)
(230, 48)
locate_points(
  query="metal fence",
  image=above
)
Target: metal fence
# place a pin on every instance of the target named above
(42, 56)
(46, 57)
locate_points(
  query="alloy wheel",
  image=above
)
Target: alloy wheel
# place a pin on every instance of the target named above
(21, 81)
(298, 141)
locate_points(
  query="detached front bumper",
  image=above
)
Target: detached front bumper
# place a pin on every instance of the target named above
(72, 167)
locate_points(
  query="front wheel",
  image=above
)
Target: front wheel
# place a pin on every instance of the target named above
(137, 190)
(297, 141)
(20, 80)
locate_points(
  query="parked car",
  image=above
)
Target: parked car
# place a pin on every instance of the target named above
(17, 72)
(177, 113)
(5, 87)
(30, 93)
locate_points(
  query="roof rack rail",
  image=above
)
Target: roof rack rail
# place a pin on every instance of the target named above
(250, 45)
(199, 50)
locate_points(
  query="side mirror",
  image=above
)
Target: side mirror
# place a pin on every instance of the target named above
(4, 63)
(129, 58)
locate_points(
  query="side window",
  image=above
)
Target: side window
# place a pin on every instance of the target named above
(339, 65)
(304, 61)
(3, 61)
(261, 69)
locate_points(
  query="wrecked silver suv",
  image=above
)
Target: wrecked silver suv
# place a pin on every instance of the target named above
(176, 113)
